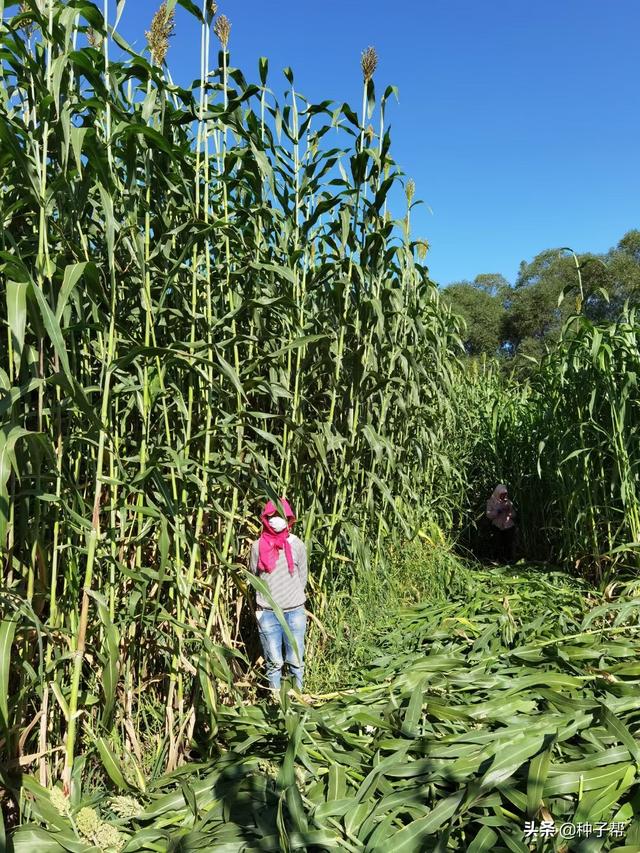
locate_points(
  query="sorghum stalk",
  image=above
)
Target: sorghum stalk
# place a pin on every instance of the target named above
(295, 131)
(80, 640)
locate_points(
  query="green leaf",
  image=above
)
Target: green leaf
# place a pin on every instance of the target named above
(53, 330)
(620, 732)
(7, 632)
(511, 758)
(410, 838)
(111, 765)
(232, 375)
(27, 839)
(263, 69)
(110, 655)
(538, 770)
(484, 842)
(413, 714)
(72, 275)
(16, 296)
(8, 438)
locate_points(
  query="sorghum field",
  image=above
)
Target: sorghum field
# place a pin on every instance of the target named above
(209, 297)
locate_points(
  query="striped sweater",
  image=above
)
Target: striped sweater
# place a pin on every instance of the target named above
(287, 590)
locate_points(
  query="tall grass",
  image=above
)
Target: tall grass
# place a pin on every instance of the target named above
(566, 441)
(204, 302)
(424, 569)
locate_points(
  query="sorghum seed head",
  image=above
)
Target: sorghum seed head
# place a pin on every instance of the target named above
(369, 62)
(267, 767)
(28, 26)
(422, 247)
(300, 779)
(59, 801)
(107, 837)
(87, 821)
(410, 190)
(94, 38)
(126, 807)
(162, 27)
(222, 28)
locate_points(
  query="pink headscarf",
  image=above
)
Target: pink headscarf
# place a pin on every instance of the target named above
(270, 542)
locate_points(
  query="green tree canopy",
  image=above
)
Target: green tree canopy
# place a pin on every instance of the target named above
(480, 305)
(526, 318)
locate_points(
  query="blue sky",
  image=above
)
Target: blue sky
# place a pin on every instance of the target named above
(518, 121)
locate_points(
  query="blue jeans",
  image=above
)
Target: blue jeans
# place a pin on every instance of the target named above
(272, 637)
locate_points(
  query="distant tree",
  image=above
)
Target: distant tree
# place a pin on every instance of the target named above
(479, 304)
(532, 310)
(492, 283)
(523, 321)
(623, 275)
(630, 245)
(536, 313)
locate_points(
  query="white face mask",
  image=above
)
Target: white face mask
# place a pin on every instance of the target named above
(277, 524)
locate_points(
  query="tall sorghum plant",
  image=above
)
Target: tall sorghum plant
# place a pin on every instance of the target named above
(203, 304)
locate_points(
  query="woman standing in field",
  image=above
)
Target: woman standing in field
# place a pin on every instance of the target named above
(501, 513)
(280, 560)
